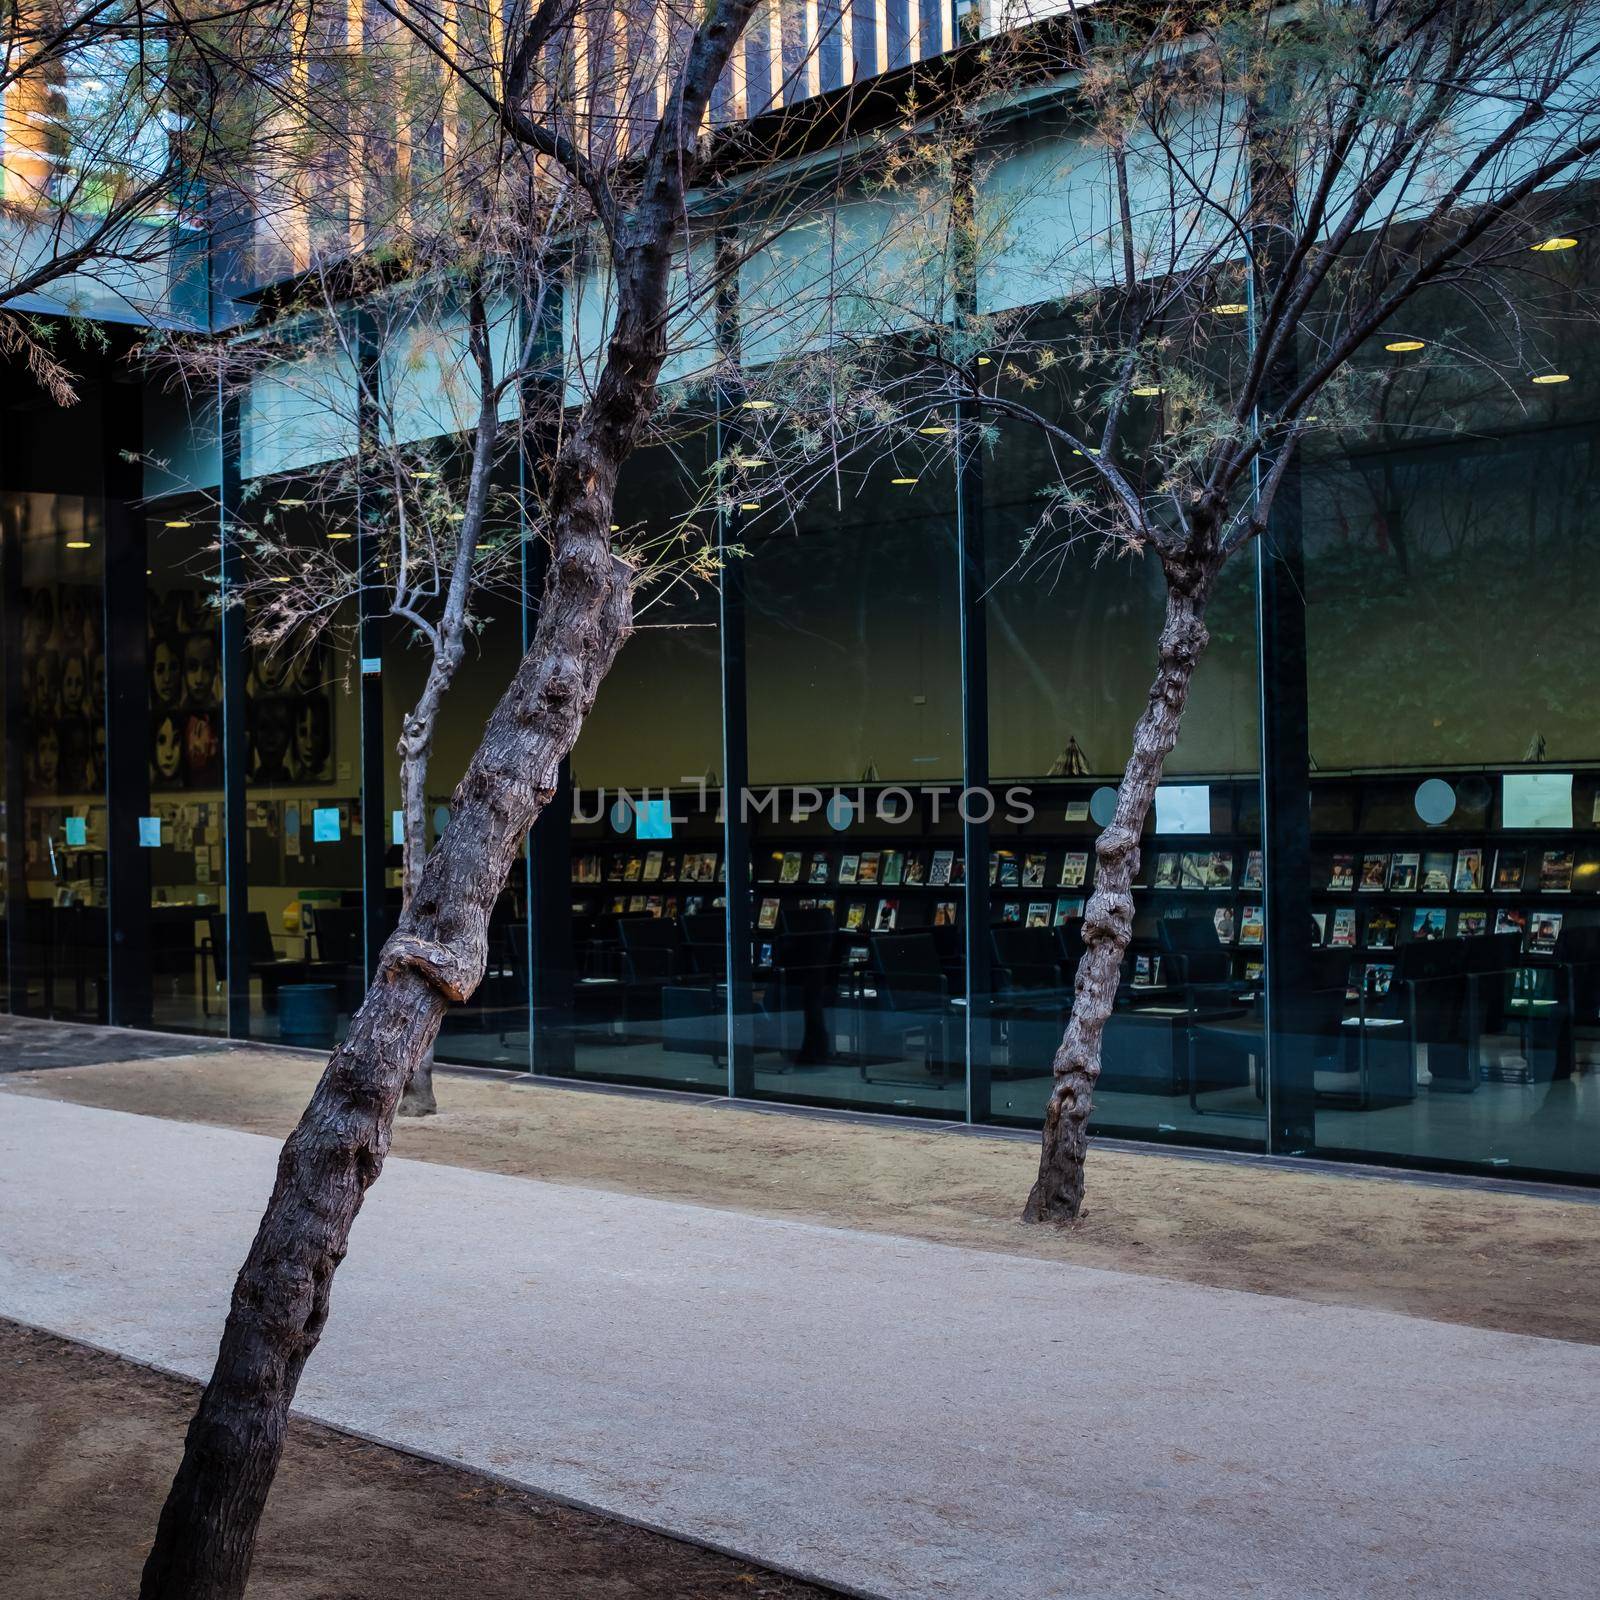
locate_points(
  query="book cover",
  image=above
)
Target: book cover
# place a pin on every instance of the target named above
(939, 872)
(1195, 870)
(884, 921)
(848, 867)
(1436, 870)
(1374, 873)
(1383, 927)
(1010, 872)
(1544, 929)
(855, 915)
(1253, 971)
(819, 868)
(1033, 865)
(635, 904)
(893, 869)
(614, 870)
(1067, 910)
(1555, 872)
(1469, 871)
(1038, 914)
(1144, 971)
(1169, 874)
(1222, 918)
(1342, 872)
(867, 870)
(652, 906)
(1219, 870)
(1343, 935)
(619, 906)
(1471, 923)
(634, 869)
(652, 866)
(669, 870)
(1509, 866)
(1074, 869)
(944, 914)
(1428, 924)
(1379, 978)
(1253, 868)
(1403, 872)
(1252, 926)
(790, 871)
(916, 873)
(1011, 911)
(692, 905)
(1511, 919)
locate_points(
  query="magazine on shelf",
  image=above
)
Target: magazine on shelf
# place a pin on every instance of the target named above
(790, 871)
(768, 917)
(867, 869)
(916, 873)
(1004, 870)
(1544, 929)
(1219, 869)
(1469, 924)
(958, 868)
(636, 903)
(1222, 917)
(1038, 914)
(1196, 870)
(1437, 868)
(1509, 866)
(1469, 871)
(1374, 873)
(652, 905)
(652, 866)
(1428, 924)
(1555, 872)
(1342, 872)
(619, 906)
(1169, 872)
(939, 872)
(1033, 866)
(634, 871)
(1067, 911)
(1251, 926)
(1379, 977)
(1343, 934)
(944, 914)
(819, 868)
(1383, 927)
(1403, 872)
(1253, 971)
(1253, 878)
(893, 869)
(1011, 911)
(855, 916)
(884, 920)
(1511, 919)
(1147, 972)
(848, 867)
(1074, 869)
(692, 905)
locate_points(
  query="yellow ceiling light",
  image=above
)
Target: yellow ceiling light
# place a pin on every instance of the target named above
(291, 502)
(1558, 241)
(77, 544)
(758, 405)
(749, 461)
(1146, 390)
(984, 361)
(1553, 377)
(282, 580)
(339, 533)
(934, 430)
(616, 527)
(749, 505)
(903, 482)
(1401, 346)
(1230, 308)
(422, 472)
(178, 523)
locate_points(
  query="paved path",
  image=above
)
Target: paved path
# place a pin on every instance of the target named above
(903, 1418)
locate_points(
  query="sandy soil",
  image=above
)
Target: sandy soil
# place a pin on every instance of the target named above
(1490, 1259)
(88, 1445)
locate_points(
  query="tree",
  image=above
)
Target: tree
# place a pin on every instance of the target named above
(1290, 192)
(619, 146)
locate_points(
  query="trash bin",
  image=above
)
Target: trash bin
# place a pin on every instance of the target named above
(307, 1013)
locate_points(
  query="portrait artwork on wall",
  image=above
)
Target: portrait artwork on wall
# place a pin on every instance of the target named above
(184, 651)
(290, 702)
(64, 690)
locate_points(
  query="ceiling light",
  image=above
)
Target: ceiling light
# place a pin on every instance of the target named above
(749, 461)
(291, 502)
(933, 430)
(757, 405)
(339, 533)
(455, 516)
(906, 482)
(178, 524)
(77, 544)
(422, 473)
(282, 580)
(984, 361)
(1557, 241)
(1400, 346)
(616, 527)
(1554, 377)
(1145, 390)
(1230, 308)
(749, 505)
(1091, 451)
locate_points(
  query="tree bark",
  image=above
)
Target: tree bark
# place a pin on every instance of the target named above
(1057, 1194)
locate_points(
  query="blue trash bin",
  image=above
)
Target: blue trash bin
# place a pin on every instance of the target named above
(307, 1013)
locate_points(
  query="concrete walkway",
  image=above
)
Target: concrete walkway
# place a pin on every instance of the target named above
(901, 1418)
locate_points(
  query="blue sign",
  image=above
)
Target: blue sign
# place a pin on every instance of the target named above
(149, 833)
(652, 819)
(398, 823)
(77, 832)
(325, 825)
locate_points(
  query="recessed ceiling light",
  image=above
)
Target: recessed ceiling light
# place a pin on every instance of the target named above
(339, 533)
(291, 502)
(282, 580)
(758, 405)
(178, 523)
(1145, 390)
(907, 482)
(749, 505)
(933, 430)
(1554, 377)
(424, 473)
(1558, 241)
(1230, 308)
(984, 361)
(77, 544)
(1400, 346)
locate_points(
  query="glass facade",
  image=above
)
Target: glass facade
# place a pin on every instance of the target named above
(828, 834)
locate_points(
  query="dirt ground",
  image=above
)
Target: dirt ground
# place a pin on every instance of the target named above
(1524, 1264)
(88, 1445)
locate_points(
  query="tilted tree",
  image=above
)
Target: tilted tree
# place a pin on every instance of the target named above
(1270, 199)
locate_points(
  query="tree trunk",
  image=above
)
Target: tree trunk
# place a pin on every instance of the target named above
(206, 1536)
(1057, 1194)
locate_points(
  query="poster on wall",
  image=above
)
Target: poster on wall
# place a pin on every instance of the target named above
(290, 708)
(185, 659)
(63, 688)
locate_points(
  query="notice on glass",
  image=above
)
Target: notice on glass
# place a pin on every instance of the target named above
(149, 833)
(77, 832)
(325, 825)
(652, 819)
(1536, 800)
(1183, 808)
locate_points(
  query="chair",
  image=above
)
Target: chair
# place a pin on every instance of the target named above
(267, 965)
(805, 975)
(1431, 988)
(913, 1001)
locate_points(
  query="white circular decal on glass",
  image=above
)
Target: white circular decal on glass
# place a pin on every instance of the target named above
(621, 817)
(840, 813)
(1436, 801)
(1103, 806)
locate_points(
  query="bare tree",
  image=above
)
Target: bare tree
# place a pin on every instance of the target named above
(1272, 199)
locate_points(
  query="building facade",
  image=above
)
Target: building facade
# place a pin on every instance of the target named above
(828, 834)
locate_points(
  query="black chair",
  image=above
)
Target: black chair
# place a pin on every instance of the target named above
(1430, 995)
(805, 976)
(1197, 961)
(705, 944)
(1026, 962)
(268, 965)
(912, 1002)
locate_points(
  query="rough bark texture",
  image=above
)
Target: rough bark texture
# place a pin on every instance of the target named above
(1057, 1194)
